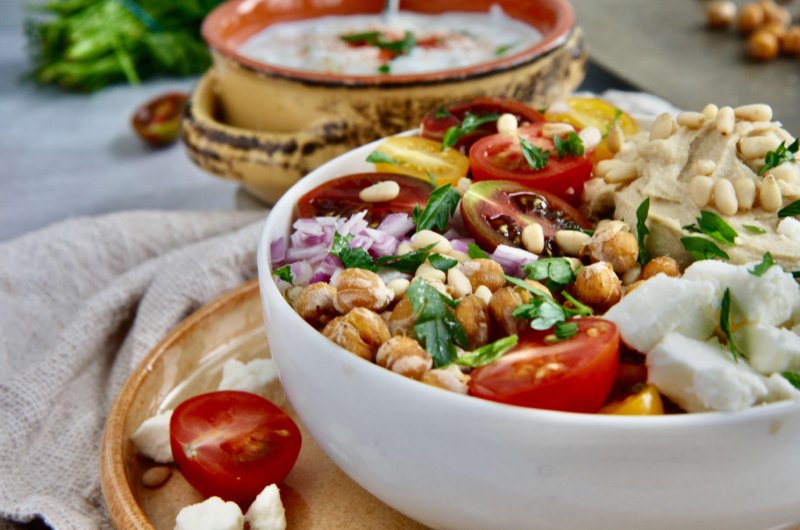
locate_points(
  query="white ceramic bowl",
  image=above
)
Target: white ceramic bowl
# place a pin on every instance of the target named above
(457, 462)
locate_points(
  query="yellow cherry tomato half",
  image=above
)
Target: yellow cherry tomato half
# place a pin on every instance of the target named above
(646, 402)
(594, 112)
(423, 159)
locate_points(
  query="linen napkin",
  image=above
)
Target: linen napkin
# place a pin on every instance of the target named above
(81, 303)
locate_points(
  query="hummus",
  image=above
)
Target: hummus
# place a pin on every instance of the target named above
(665, 168)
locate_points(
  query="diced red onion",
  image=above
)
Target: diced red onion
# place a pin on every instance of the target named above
(309, 226)
(313, 253)
(386, 247)
(462, 244)
(326, 268)
(301, 272)
(355, 225)
(277, 250)
(512, 259)
(396, 224)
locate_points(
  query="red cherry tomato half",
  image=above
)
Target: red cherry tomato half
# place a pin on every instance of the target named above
(497, 211)
(499, 157)
(340, 197)
(436, 122)
(158, 121)
(573, 375)
(233, 444)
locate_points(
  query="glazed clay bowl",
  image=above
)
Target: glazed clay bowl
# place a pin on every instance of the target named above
(268, 126)
(457, 462)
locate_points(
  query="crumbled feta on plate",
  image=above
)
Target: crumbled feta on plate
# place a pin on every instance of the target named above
(266, 512)
(251, 377)
(152, 438)
(211, 514)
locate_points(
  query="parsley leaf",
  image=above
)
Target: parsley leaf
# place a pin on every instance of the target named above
(369, 38)
(780, 155)
(725, 325)
(714, 227)
(761, 268)
(407, 263)
(571, 147)
(543, 311)
(340, 243)
(399, 47)
(793, 378)
(701, 248)
(501, 50)
(610, 125)
(441, 206)
(284, 273)
(564, 331)
(376, 157)
(442, 263)
(352, 258)
(385, 68)
(442, 113)
(476, 252)
(642, 231)
(487, 354)
(790, 210)
(557, 271)
(468, 125)
(436, 326)
(536, 157)
(753, 229)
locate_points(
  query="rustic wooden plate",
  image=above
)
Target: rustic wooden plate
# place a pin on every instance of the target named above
(188, 362)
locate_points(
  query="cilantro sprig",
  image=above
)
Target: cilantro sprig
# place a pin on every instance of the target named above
(536, 157)
(543, 310)
(436, 326)
(714, 227)
(564, 331)
(790, 210)
(476, 252)
(351, 257)
(764, 266)
(701, 248)
(487, 354)
(571, 147)
(407, 263)
(556, 272)
(284, 273)
(781, 154)
(642, 231)
(725, 325)
(442, 263)
(440, 208)
(469, 124)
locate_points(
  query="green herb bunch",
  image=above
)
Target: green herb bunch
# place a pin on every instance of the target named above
(86, 45)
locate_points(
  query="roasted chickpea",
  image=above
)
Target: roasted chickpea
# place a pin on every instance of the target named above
(762, 45)
(360, 331)
(750, 18)
(450, 378)
(596, 285)
(775, 14)
(404, 356)
(720, 14)
(402, 318)
(504, 302)
(360, 288)
(613, 242)
(315, 303)
(790, 43)
(663, 264)
(777, 29)
(483, 272)
(473, 315)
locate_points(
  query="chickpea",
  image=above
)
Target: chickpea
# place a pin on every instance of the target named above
(360, 288)
(404, 356)
(315, 303)
(762, 45)
(360, 331)
(663, 264)
(720, 14)
(402, 319)
(484, 272)
(597, 285)
(613, 242)
(504, 301)
(473, 315)
(450, 378)
(790, 43)
(779, 30)
(750, 18)
(775, 14)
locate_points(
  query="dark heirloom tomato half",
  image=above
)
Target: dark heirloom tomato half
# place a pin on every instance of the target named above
(499, 157)
(340, 197)
(436, 122)
(158, 121)
(233, 444)
(496, 211)
(574, 375)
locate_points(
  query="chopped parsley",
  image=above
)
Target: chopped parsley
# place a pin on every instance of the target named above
(642, 231)
(793, 378)
(487, 354)
(701, 248)
(398, 47)
(442, 113)
(468, 125)
(613, 122)
(790, 210)
(565, 330)
(761, 268)
(368, 38)
(571, 147)
(714, 227)
(780, 155)
(376, 157)
(284, 273)
(536, 157)
(543, 310)
(440, 208)
(442, 263)
(385, 68)
(502, 50)
(557, 272)
(753, 229)
(351, 258)
(436, 327)
(725, 325)
(407, 263)
(476, 252)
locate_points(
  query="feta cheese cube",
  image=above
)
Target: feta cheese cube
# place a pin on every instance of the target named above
(768, 348)
(790, 227)
(663, 304)
(211, 514)
(251, 377)
(702, 376)
(768, 299)
(266, 512)
(152, 438)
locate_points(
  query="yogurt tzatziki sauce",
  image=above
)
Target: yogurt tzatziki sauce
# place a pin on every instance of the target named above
(402, 43)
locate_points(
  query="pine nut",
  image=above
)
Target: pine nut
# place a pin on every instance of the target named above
(156, 476)
(622, 172)
(571, 242)
(533, 238)
(725, 120)
(662, 127)
(550, 129)
(786, 172)
(770, 195)
(745, 190)
(484, 294)
(725, 197)
(591, 137)
(387, 190)
(785, 136)
(459, 283)
(460, 256)
(705, 167)
(700, 189)
(404, 248)
(756, 112)
(426, 271)
(615, 138)
(424, 238)
(710, 111)
(692, 120)
(398, 286)
(439, 286)
(755, 147)
(507, 124)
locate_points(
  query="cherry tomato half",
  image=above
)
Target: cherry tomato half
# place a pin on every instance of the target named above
(158, 121)
(497, 211)
(436, 122)
(573, 375)
(423, 159)
(499, 157)
(340, 197)
(233, 444)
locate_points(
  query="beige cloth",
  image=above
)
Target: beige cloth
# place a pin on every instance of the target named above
(81, 303)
